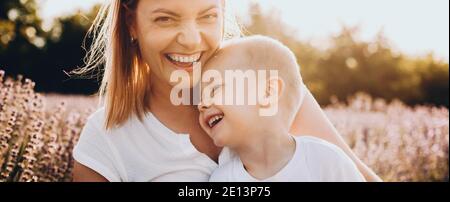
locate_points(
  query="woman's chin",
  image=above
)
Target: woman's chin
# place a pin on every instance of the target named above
(185, 80)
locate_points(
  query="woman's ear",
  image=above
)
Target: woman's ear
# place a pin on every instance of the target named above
(130, 21)
(223, 11)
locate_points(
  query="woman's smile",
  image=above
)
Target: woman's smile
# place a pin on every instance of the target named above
(183, 61)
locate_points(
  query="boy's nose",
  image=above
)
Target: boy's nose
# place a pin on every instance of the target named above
(202, 106)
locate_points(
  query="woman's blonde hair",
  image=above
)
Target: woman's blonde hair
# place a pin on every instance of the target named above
(125, 89)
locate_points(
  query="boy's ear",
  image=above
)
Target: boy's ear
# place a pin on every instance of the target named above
(269, 103)
(274, 89)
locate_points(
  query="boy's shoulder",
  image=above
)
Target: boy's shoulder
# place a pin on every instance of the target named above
(319, 149)
(316, 143)
(329, 161)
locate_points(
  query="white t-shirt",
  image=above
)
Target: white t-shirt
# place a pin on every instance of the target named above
(141, 152)
(314, 160)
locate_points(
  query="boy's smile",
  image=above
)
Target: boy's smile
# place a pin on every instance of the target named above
(213, 121)
(212, 117)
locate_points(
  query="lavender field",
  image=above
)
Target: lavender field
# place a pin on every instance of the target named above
(401, 143)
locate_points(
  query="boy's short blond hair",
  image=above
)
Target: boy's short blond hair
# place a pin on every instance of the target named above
(264, 53)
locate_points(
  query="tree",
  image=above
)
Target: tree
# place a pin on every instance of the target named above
(22, 37)
(43, 55)
(351, 65)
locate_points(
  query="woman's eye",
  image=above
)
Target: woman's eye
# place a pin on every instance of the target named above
(210, 17)
(164, 20)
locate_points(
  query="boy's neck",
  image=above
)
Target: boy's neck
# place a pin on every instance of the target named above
(267, 153)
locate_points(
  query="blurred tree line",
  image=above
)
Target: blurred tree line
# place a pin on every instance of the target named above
(350, 65)
(41, 52)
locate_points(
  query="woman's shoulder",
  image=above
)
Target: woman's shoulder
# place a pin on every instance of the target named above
(97, 117)
(97, 120)
(93, 127)
(94, 148)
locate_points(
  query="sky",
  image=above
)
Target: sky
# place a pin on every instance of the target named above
(415, 27)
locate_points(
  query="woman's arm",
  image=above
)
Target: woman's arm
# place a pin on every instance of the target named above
(82, 173)
(311, 120)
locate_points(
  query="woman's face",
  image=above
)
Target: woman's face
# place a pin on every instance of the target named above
(173, 34)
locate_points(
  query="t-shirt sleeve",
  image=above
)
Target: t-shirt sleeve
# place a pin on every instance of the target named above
(332, 163)
(94, 152)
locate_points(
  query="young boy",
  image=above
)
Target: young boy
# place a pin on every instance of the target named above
(261, 147)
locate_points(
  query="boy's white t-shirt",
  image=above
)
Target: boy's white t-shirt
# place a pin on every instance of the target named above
(314, 160)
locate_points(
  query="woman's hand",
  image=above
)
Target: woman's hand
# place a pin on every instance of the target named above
(312, 121)
(82, 173)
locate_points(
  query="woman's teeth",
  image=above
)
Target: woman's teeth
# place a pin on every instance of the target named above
(215, 120)
(185, 58)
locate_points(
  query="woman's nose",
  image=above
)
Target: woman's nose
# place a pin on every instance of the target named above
(190, 37)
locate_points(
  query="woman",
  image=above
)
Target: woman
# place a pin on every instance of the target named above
(139, 135)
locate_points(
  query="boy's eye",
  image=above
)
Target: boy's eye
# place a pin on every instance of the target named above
(215, 90)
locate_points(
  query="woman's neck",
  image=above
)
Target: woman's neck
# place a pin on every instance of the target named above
(267, 154)
(160, 96)
(182, 119)
(162, 107)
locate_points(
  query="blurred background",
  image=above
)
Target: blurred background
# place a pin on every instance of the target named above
(379, 69)
(390, 50)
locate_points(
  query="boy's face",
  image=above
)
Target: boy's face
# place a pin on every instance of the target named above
(228, 125)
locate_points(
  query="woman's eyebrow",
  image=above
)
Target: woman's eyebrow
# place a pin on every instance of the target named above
(207, 9)
(169, 12)
(163, 10)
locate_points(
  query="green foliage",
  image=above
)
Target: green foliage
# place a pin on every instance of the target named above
(19, 24)
(350, 65)
(43, 53)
